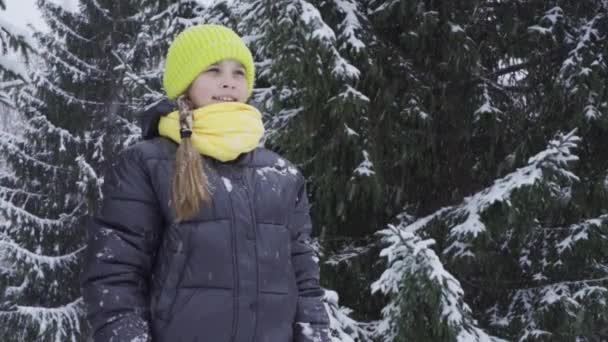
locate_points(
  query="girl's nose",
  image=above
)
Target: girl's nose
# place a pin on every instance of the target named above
(227, 82)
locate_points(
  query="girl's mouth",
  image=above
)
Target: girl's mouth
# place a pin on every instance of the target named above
(224, 98)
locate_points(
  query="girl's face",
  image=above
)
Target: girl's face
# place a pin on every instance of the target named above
(221, 82)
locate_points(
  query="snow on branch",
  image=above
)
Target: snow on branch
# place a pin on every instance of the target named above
(529, 305)
(548, 21)
(10, 138)
(348, 94)
(311, 16)
(133, 132)
(41, 122)
(281, 120)
(168, 12)
(59, 26)
(28, 221)
(411, 258)
(104, 11)
(5, 88)
(25, 98)
(558, 155)
(11, 191)
(581, 231)
(87, 176)
(351, 23)
(8, 145)
(585, 63)
(16, 32)
(487, 107)
(131, 77)
(11, 250)
(73, 62)
(346, 254)
(589, 34)
(343, 328)
(383, 5)
(549, 165)
(42, 81)
(366, 167)
(63, 320)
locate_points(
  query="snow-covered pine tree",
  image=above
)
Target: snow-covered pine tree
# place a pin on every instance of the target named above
(427, 302)
(527, 241)
(493, 258)
(78, 117)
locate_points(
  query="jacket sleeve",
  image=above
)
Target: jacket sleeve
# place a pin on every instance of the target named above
(122, 241)
(312, 322)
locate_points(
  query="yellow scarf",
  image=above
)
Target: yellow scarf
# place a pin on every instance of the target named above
(221, 130)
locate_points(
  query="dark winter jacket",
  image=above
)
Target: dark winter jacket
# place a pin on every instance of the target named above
(242, 270)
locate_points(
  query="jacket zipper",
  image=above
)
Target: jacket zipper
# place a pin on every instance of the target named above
(235, 271)
(254, 225)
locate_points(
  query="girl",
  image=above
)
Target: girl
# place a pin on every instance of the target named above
(202, 235)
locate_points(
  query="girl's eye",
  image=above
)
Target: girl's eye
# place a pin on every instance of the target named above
(213, 70)
(240, 72)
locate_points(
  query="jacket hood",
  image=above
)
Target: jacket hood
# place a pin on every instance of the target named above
(151, 116)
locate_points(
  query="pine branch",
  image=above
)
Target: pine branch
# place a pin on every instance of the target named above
(133, 75)
(549, 56)
(499, 286)
(32, 258)
(12, 148)
(6, 190)
(62, 320)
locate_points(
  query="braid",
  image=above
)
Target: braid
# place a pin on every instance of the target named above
(190, 188)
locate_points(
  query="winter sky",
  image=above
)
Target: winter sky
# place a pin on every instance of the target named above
(24, 12)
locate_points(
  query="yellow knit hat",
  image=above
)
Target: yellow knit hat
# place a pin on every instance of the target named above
(198, 47)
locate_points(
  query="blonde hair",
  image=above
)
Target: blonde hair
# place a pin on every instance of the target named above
(190, 187)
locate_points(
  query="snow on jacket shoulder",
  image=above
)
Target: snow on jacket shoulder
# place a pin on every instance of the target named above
(242, 270)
